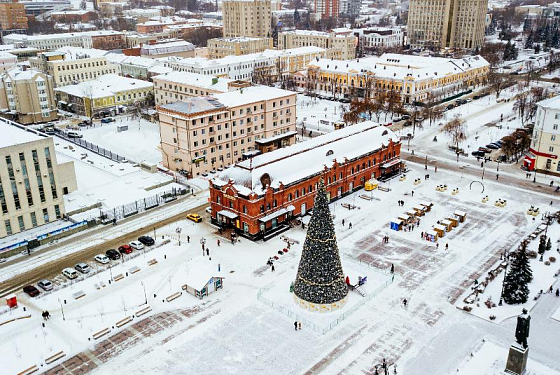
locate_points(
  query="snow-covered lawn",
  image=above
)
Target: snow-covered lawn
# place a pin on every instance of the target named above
(491, 358)
(318, 114)
(139, 143)
(556, 315)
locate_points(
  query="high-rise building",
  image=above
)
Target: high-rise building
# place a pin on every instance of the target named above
(246, 18)
(447, 23)
(327, 8)
(12, 16)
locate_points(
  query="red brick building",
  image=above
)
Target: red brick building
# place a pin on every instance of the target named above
(108, 41)
(258, 196)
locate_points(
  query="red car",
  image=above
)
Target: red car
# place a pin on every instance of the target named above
(125, 249)
(31, 291)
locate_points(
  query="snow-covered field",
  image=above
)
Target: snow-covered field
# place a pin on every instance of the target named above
(139, 143)
(236, 332)
(318, 115)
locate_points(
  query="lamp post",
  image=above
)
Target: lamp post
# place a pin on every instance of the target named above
(61, 309)
(503, 282)
(145, 295)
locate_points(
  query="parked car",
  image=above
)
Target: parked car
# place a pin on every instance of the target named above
(113, 254)
(45, 285)
(492, 146)
(478, 154)
(136, 245)
(405, 117)
(450, 106)
(82, 267)
(146, 240)
(107, 120)
(31, 291)
(468, 100)
(125, 249)
(408, 123)
(485, 150)
(396, 119)
(70, 273)
(194, 217)
(208, 210)
(74, 135)
(48, 130)
(101, 258)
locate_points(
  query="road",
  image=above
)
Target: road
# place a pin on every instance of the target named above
(49, 262)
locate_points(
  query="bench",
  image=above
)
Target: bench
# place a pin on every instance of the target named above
(29, 370)
(121, 323)
(55, 357)
(118, 277)
(134, 269)
(151, 262)
(145, 310)
(383, 189)
(101, 333)
(173, 296)
(79, 294)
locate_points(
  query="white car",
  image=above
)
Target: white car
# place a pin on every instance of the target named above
(45, 284)
(136, 245)
(101, 258)
(82, 267)
(70, 273)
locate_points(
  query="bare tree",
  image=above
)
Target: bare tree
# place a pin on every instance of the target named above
(498, 82)
(87, 91)
(311, 81)
(456, 130)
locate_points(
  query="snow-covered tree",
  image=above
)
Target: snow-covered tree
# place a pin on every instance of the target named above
(516, 283)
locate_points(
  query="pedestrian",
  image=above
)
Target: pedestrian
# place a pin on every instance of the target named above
(232, 241)
(295, 325)
(218, 241)
(557, 292)
(44, 315)
(412, 192)
(551, 203)
(551, 183)
(550, 289)
(272, 267)
(48, 314)
(299, 325)
(349, 225)
(497, 175)
(437, 245)
(435, 171)
(207, 251)
(342, 222)
(392, 268)
(302, 225)
(446, 246)
(405, 302)
(188, 239)
(422, 235)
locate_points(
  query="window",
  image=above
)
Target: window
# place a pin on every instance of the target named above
(555, 126)
(551, 149)
(8, 227)
(552, 137)
(33, 219)
(262, 208)
(244, 209)
(46, 215)
(21, 224)
(57, 211)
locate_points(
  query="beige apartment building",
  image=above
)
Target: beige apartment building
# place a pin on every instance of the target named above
(222, 47)
(544, 152)
(12, 16)
(202, 134)
(32, 183)
(246, 18)
(339, 46)
(177, 86)
(27, 96)
(447, 23)
(67, 69)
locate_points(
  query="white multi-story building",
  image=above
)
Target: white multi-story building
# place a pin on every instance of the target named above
(244, 67)
(340, 44)
(544, 152)
(103, 39)
(380, 38)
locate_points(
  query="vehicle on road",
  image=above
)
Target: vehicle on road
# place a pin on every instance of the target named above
(208, 210)
(194, 217)
(146, 240)
(113, 254)
(479, 154)
(396, 119)
(125, 249)
(82, 267)
(70, 273)
(492, 146)
(485, 150)
(101, 258)
(45, 285)
(107, 120)
(468, 100)
(136, 245)
(74, 135)
(31, 291)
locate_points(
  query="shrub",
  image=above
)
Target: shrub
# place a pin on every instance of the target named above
(547, 263)
(532, 254)
(552, 259)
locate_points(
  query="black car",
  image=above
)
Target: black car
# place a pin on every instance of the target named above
(31, 291)
(146, 240)
(478, 154)
(113, 254)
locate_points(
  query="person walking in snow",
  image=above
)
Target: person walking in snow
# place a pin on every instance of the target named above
(207, 251)
(446, 246)
(218, 242)
(404, 302)
(272, 268)
(188, 239)
(392, 268)
(342, 222)
(557, 292)
(412, 192)
(349, 225)
(295, 325)
(299, 326)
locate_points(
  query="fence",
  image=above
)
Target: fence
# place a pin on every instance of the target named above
(141, 205)
(93, 148)
(317, 328)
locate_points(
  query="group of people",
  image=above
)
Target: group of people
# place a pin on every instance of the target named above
(400, 203)
(297, 325)
(385, 239)
(46, 315)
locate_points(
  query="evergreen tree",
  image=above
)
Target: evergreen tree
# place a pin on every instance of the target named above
(516, 289)
(529, 41)
(297, 17)
(537, 48)
(548, 244)
(320, 278)
(542, 244)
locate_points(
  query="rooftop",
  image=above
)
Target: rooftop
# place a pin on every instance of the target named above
(104, 86)
(194, 105)
(12, 135)
(251, 95)
(195, 79)
(552, 103)
(310, 157)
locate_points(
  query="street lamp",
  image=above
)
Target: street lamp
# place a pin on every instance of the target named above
(61, 309)
(145, 295)
(503, 282)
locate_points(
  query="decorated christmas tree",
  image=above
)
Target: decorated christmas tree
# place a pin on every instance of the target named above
(516, 289)
(320, 278)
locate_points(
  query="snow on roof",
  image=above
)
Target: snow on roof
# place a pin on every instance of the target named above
(251, 95)
(552, 103)
(238, 39)
(175, 46)
(23, 37)
(194, 105)
(310, 157)
(18, 74)
(395, 66)
(160, 69)
(71, 52)
(200, 274)
(12, 135)
(195, 79)
(104, 86)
